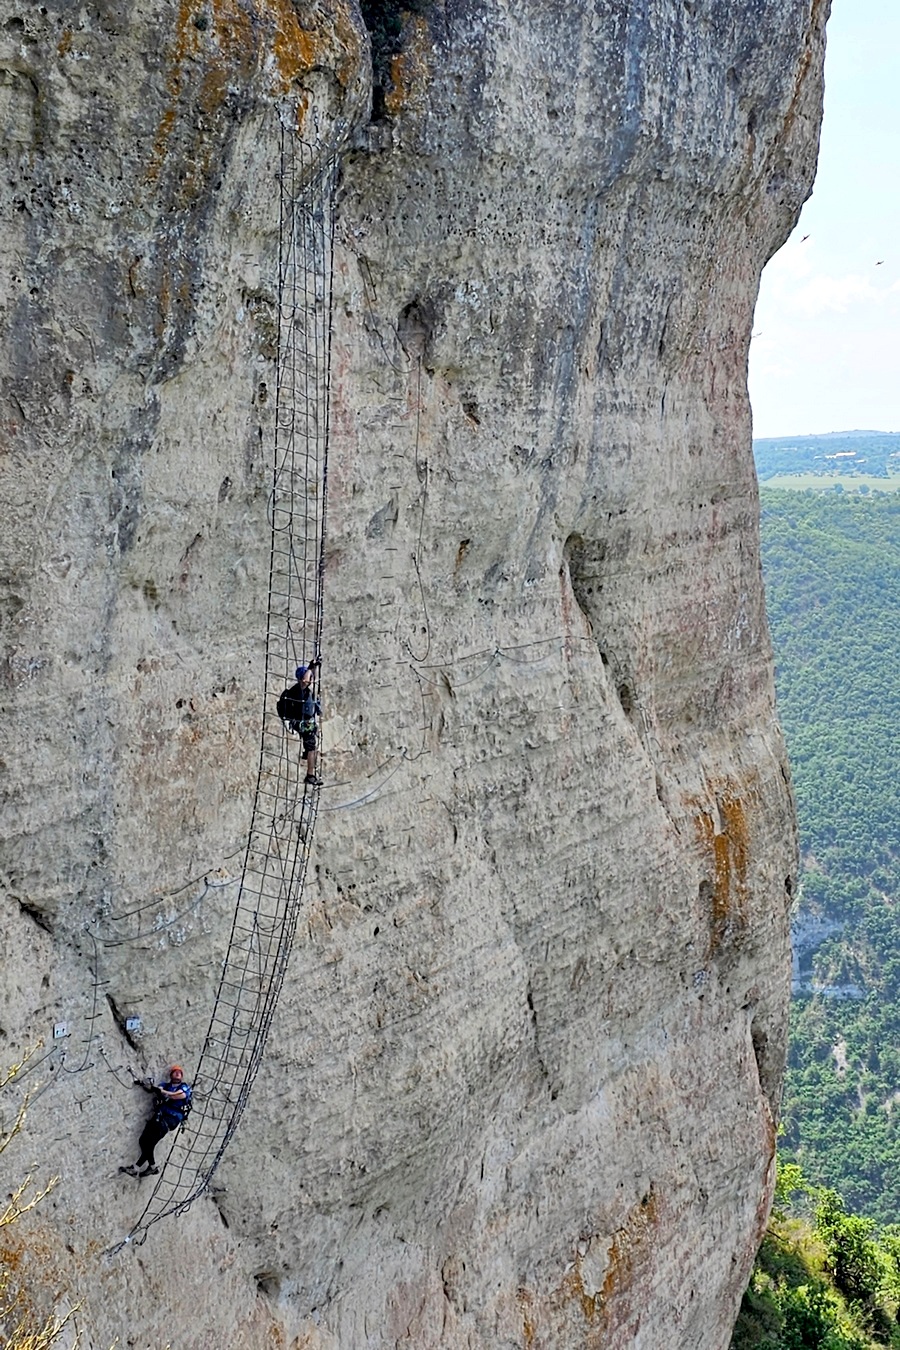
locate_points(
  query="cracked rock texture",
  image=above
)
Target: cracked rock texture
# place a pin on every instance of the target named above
(521, 1086)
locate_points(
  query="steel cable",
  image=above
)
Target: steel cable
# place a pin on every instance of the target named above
(284, 808)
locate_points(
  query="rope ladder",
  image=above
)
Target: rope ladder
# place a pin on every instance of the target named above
(284, 809)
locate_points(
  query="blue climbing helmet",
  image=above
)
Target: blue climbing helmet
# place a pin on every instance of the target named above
(300, 672)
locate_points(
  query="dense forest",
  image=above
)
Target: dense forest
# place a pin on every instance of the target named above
(832, 569)
(842, 454)
(824, 1279)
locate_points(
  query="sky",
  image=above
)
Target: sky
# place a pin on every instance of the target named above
(825, 355)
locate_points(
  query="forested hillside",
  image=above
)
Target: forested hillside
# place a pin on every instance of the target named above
(845, 453)
(832, 567)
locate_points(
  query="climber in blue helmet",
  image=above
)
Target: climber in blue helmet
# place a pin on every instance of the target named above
(299, 710)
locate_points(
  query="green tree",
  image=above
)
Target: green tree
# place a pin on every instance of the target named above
(851, 1251)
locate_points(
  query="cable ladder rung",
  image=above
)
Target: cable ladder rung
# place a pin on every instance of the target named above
(278, 841)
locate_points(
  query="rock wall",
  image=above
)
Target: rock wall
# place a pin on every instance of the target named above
(521, 1086)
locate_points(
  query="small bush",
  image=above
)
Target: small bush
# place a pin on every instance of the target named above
(21, 1328)
(823, 1279)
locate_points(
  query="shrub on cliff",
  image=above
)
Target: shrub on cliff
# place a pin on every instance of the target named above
(21, 1328)
(823, 1279)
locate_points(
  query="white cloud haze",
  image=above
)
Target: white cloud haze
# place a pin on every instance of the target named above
(825, 355)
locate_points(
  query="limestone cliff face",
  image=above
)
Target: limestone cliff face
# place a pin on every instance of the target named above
(520, 1089)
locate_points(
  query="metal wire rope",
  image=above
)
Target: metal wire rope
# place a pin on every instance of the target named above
(284, 810)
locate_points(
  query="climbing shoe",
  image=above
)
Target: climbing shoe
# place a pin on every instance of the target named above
(312, 780)
(149, 1172)
(130, 1170)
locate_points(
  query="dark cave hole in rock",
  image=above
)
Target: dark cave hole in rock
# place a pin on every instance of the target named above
(36, 916)
(626, 698)
(268, 1283)
(760, 1041)
(384, 20)
(415, 326)
(585, 559)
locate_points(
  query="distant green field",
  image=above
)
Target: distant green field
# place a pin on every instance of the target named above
(786, 460)
(826, 482)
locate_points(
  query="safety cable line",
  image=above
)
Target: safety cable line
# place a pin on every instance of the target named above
(208, 877)
(284, 808)
(422, 475)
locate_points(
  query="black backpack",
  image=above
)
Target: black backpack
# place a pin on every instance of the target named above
(290, 708)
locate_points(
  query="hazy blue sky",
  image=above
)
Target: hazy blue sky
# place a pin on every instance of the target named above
(826, 350)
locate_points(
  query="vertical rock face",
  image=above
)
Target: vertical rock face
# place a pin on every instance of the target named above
(520, 1089)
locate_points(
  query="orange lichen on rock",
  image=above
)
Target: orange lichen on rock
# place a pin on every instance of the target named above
(297, 50)
(612, 1306)
(409, 70)
(349, 40)
(218, 45)
(217, 37)
(293, 47)
(187, 39)
(817, 22)
(631, 1242)
(529, 1329)
(573, 1288)
(725, 838)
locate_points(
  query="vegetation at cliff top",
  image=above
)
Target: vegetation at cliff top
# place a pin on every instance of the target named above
(832, 568)
(823, 1280)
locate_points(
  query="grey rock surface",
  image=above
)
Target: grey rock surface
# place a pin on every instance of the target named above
(522, 1084)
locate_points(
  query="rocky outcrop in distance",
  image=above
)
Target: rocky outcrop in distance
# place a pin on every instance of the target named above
(522, 1084)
